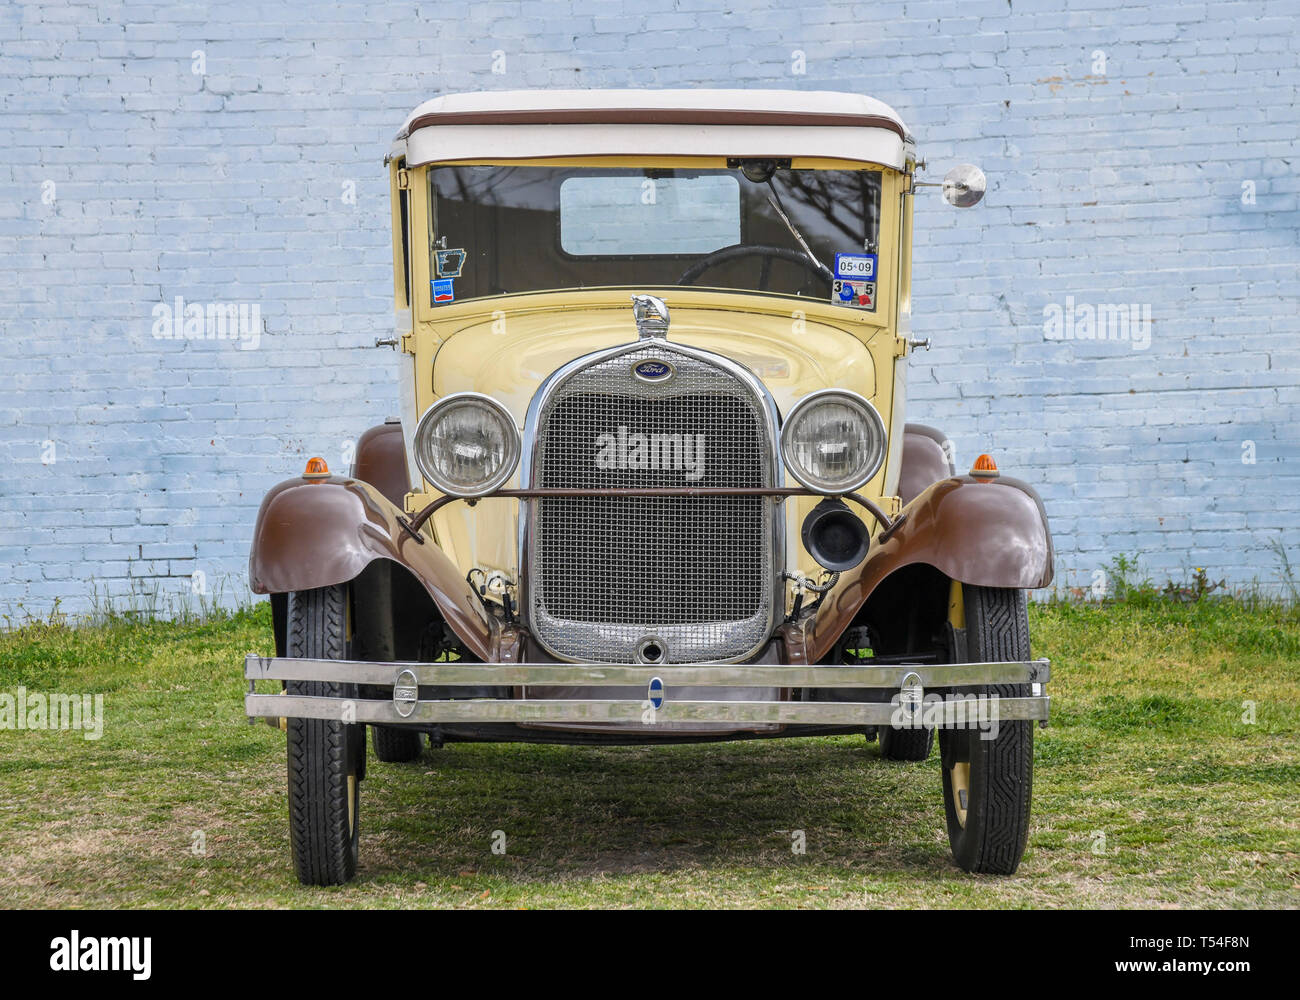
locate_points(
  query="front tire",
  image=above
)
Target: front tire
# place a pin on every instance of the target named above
(325, 756)
(987, 784)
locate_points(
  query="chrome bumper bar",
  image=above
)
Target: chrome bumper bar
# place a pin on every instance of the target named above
(912, 702)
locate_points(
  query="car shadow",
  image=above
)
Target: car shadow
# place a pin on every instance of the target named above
(555, 810)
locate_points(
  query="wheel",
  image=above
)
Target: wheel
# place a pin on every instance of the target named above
(325, 757)
(987, 782)
(394, 745)
(905, 744)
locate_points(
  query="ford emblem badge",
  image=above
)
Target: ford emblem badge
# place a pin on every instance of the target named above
(652, 370)
(406, 692)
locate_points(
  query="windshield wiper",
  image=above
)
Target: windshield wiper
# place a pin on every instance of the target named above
(774, 200)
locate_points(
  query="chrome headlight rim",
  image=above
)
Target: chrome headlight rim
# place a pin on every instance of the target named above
(514, 444)
(855, 401)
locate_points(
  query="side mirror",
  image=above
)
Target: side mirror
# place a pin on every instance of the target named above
(964, 185)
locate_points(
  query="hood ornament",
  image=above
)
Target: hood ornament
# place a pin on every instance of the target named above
(651, 314)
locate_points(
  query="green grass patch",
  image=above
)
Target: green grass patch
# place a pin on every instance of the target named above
(1152, 788)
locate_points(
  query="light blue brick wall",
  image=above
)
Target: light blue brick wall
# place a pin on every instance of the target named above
(128, 179)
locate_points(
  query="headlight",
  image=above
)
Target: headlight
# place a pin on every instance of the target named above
(467, 444)
(833, 441)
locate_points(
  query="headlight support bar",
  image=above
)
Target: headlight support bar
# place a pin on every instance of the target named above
(888, 525)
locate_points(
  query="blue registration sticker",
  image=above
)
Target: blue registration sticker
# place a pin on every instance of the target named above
(855, 266)
(443, 290)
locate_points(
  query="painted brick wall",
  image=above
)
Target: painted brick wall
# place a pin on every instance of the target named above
(1140, 154)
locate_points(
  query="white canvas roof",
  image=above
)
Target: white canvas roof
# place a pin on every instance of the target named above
(539, 124)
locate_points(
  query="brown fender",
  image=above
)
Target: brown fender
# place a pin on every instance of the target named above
(381, 461)
(317, 532)
(924, 461)
(988, 533)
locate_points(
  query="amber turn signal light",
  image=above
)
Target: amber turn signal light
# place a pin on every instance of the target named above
(985, 467)
(316, 467)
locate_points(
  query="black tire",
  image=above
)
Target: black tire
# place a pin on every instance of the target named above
(996, 776)
(905, 744)
(394, 745)
(325, 757)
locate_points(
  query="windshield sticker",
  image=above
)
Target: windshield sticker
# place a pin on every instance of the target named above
(855, 266)
(450, 262)
(858, 294)
(443, 290)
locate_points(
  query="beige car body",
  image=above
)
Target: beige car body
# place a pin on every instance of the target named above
(505, 346)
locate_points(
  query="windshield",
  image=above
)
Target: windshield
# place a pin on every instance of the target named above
(500, 229)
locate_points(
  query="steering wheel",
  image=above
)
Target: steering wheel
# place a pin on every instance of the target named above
(768, 253)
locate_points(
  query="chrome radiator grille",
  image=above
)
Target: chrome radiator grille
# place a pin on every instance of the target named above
(696, 573)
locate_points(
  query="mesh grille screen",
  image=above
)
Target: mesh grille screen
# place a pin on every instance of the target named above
(695, 572)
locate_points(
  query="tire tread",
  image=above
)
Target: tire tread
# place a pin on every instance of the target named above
(997, 625)
(318, 749)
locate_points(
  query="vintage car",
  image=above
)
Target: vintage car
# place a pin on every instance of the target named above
(651, 481)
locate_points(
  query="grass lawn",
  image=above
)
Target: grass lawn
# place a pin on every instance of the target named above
(1150, 789)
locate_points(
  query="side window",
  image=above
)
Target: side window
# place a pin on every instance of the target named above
(405, 203)
(905, 252)
(401, 223)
